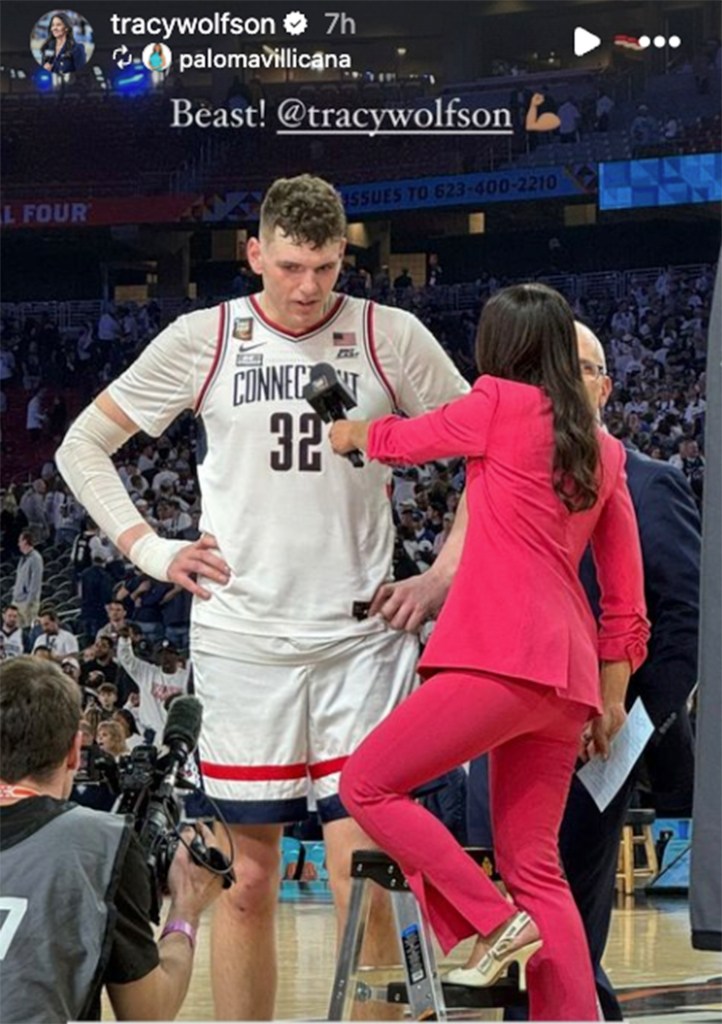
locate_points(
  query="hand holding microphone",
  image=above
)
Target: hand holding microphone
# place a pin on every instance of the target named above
(330, 398)
(348, 435)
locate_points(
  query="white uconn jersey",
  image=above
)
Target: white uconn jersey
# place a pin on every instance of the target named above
(307, 534)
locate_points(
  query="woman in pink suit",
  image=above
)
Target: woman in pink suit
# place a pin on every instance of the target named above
(516, 664)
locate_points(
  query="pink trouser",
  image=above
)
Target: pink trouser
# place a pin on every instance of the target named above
(533, 736)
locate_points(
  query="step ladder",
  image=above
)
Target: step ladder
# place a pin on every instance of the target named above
(428, 998)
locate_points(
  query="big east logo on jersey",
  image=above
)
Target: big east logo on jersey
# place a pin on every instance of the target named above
(243, 328)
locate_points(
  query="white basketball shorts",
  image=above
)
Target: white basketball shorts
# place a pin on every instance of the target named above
(281, 716)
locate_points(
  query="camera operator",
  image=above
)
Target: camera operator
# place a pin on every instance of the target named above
(75, 883)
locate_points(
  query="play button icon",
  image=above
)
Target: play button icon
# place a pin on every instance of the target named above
(584, 41)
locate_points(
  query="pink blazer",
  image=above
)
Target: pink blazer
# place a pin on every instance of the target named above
(516, 606)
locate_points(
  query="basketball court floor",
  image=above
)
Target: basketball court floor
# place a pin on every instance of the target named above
(658, 976)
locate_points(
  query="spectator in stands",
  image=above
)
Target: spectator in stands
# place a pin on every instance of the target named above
(147, 461)
(86, 347)
(132, 706)
(382, 284)
(109, 336)
(92, 684)
(164, 475)
(441, 537)
(126, 720)
(434, 271)
(116, 619)
(102, 549)
(57, 417)
(32, 367)
(172, 522)
(96, 591)
(144, 595)
(70, 666)
(86, 733)
(242, 283)
(107, 698)
(81, 556)
(28, 579)
(687, 455)
(671, 128)
(603, 110)
(62, 55)
(60, 642)
(644, 128)
(569, 115)
(33, 505)
(12, 523)
(692, 464)
(110, 737)
(175, 610)
(696, 407)
(404, 280)
(8, 363)
(100, 657)
(156, 683)
(13, 639)
(64, 514)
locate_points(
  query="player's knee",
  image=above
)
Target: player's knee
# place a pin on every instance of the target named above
(339, 879)
(257, 879)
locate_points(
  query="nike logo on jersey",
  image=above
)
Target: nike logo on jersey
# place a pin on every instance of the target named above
(249, 348)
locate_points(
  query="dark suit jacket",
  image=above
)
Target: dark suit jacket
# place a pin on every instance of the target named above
(670, 534)
(69, 60)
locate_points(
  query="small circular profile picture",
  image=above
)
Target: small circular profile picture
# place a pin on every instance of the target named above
(62, 42)
(157, 57)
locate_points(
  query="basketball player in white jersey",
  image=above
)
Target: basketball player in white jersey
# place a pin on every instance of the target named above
(292, 671)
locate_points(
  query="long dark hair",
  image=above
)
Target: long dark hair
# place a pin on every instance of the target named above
(69, 36)
(526, 333)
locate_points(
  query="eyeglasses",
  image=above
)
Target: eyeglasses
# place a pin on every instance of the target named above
(592, 370)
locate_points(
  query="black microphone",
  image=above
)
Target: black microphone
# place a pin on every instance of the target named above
(330, 398)
(182, 731)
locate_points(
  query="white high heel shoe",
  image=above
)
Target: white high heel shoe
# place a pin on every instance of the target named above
(498, 958)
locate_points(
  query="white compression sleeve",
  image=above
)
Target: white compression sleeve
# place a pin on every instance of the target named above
(85, 464)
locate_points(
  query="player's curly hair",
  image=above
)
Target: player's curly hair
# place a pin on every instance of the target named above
(308, 210)
(526, 333)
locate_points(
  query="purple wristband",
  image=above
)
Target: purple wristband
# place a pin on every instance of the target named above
(183, 927)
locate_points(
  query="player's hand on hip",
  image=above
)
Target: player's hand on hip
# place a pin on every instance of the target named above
(408, 604)
(347, 435)
(201, 558)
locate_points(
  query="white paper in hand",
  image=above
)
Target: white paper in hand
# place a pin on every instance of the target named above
(603, 779)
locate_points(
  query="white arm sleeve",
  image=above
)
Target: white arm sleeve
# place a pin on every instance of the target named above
(85, 464)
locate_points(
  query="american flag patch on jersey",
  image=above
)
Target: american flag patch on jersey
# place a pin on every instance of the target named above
(344, 338)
